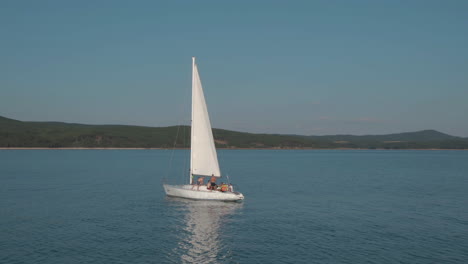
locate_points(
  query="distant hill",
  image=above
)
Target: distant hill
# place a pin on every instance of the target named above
(14, 133)
(424, 135)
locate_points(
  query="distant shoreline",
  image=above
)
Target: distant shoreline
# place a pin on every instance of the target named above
(16, 134)
(19, 148)
(41, 148)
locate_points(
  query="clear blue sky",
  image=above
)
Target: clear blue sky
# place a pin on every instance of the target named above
(298, 67)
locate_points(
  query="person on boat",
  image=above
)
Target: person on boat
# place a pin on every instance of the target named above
(212, 184)
(199, 182)
(224, 187)
(193, 181)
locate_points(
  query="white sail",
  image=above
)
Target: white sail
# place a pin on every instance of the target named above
(203, 158)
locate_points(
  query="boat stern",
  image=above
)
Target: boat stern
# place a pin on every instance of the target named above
(239, 195)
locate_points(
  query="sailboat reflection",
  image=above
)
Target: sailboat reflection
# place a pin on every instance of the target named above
(202, 239)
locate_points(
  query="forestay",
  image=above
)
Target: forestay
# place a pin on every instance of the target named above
(203, 158)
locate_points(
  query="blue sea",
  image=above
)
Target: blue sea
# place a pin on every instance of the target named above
(301, 206)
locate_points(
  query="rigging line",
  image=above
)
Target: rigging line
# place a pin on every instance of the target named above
(185, 159)
(172, 154)
(220, 155)
(181, 110)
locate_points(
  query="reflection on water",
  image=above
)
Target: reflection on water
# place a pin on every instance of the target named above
(201, 238)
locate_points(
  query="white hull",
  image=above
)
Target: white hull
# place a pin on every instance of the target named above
(185, 191)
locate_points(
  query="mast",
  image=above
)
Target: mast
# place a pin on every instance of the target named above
(191, 121)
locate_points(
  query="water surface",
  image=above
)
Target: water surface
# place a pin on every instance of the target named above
(301, 206)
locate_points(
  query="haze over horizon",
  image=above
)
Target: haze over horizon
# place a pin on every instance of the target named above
(301, 67)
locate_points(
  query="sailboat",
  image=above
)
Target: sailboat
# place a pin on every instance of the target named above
(203, 156)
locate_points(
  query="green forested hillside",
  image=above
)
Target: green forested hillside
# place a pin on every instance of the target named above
(14, 133)
(54, 134)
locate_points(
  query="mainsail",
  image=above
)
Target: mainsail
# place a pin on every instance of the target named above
(203, 158)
